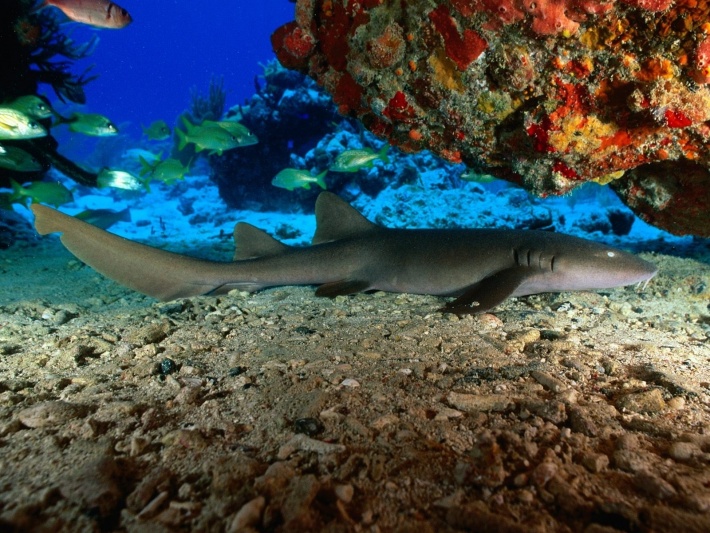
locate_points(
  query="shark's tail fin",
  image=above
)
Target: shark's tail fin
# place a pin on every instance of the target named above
(163, 275)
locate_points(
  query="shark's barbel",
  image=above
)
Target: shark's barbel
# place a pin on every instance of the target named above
(349, 254)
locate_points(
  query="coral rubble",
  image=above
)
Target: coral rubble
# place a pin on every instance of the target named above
(544, 93)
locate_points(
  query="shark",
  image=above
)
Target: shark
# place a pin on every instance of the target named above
(478, 268)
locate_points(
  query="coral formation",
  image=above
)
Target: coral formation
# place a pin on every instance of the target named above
(289, 114)
(547, 94)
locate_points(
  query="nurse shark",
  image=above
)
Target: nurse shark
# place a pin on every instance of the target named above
(479, 268)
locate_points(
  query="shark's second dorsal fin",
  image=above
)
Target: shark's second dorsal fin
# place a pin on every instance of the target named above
(252, 242)
(336, 219)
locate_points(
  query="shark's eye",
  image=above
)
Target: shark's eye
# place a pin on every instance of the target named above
(610, 254)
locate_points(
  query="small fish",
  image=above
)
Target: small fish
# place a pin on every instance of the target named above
(213, 138)
(168, 171)
(157, 131)
(290, 178)
(14, 158)
(354, 160)
(104, 218)
(17, 125)
(97, 13)
(472, 176)
(31, 105)
(241, 133)
(120, 179)
(43, 192)
(90, 124)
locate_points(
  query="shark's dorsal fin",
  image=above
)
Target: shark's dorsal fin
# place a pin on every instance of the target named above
(336, 219)
(252, 242)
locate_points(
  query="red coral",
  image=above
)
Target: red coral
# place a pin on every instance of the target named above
(540, 135)
(461, 49)
(650, 5)
(677, 119)
(564, 170)
(348, 95)
(386, 49)
(399, 109)
(292, 45)
(702, 62)
(549, 16)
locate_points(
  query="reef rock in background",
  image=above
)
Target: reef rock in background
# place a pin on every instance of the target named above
(290, 114)
(544, 93)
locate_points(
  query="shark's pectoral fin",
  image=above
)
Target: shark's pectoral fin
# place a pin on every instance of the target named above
(342, 287)
(488, 293)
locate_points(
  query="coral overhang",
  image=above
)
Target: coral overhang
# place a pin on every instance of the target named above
(546, 93)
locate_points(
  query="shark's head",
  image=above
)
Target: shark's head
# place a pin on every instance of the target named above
(583, 265)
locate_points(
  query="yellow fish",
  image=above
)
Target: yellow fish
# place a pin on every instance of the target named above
(31, 105)
(17, 125)
(354, 160)
(120, 179)
(241, 133)
(14, 158)
(213, 138)
(473, 176)
(168, 171)
(42, 192)
(290, 178)
(90, 124)
(104, 218)
(157, 131)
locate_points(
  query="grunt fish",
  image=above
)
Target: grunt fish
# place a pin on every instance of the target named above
(90, 124)
(17, 125)
(44, 192)
(14, 158)
(104, 218)
(157, 131)
(31, 105)
(354, 160)
(291, 178)
(120, 179)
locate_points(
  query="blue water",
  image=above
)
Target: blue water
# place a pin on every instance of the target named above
(146, 70)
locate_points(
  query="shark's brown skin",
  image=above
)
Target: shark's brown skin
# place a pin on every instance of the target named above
(480, 267)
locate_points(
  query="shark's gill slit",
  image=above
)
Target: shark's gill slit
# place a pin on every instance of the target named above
(552, 264)
(529, 256)
(516, 259)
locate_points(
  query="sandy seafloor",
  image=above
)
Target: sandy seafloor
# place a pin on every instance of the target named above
(280, 411)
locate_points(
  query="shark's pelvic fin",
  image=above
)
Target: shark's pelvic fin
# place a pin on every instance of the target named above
(252, 242)
(342, 287)
(489, 292)
(336, 219)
